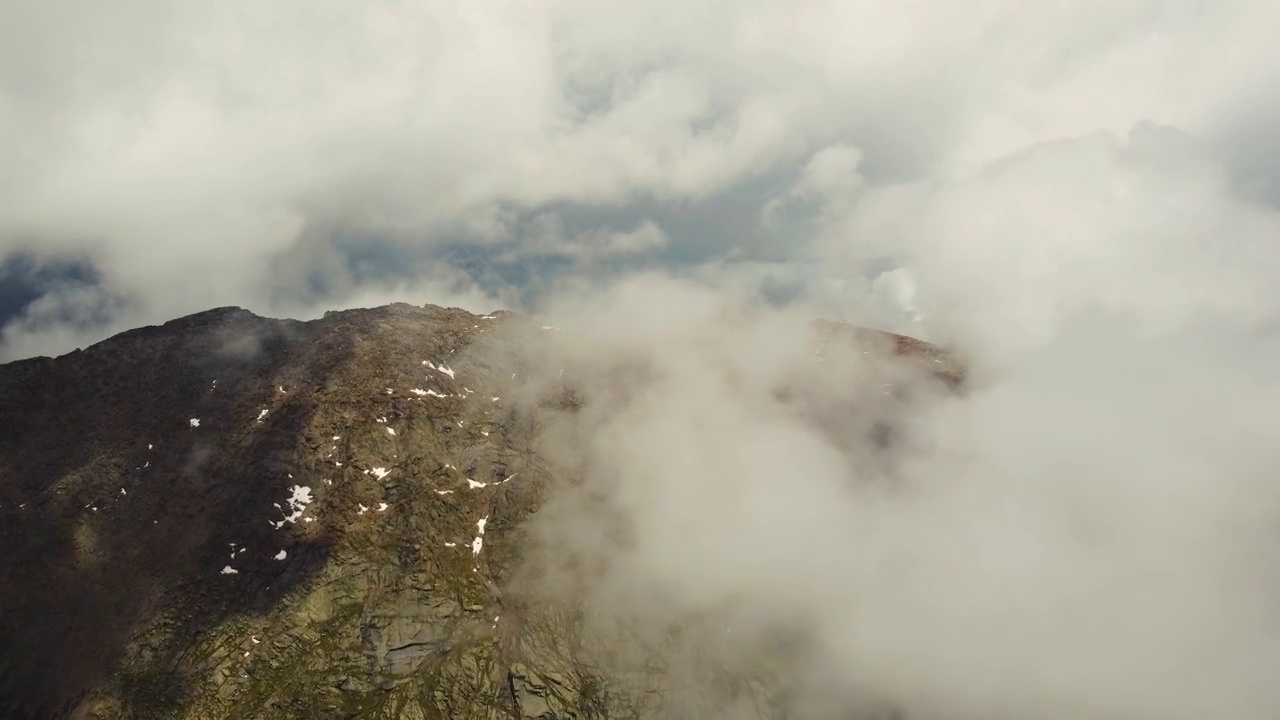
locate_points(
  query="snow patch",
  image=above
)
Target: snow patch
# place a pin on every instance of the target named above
(297, 501)
(380, 472)
(281, 555)
(228, 570)
(478, 542)
(195, 422)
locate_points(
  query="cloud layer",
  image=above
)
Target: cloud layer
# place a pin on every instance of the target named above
(197, 155)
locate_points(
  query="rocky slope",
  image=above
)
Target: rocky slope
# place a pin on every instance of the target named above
(235, 517)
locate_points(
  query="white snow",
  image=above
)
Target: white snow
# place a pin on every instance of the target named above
(149, 446)
(228, 570)
(484, 433)
(488, 317)
(506, 478)
(380, 472)
(391, 431)
(390, 391)
(282, 388)
(418, 391)
(195, 422)
(550, 327)
(478, 542)
(495, 398)
(382, 507)
(451, 544)
(446, 370)
(361, 509)
(298, 501)
(122, 492)
(433, 393)
(262, 414)
(475, 485)
(382, 419)
(281, 555)
(444, 492)
(254, 639)
(337, 437)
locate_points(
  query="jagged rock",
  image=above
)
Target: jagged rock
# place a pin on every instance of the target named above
(173, 599)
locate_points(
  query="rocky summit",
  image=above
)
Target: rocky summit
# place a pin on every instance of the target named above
(229, 516)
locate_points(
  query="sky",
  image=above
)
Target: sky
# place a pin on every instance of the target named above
(159, 159)
(1080, 198)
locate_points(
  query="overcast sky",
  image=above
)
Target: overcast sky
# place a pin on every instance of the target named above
(160, 158)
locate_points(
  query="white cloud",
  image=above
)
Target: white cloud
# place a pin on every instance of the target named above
(182, 147)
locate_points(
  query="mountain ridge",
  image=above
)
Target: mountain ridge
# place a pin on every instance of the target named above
(233, 516)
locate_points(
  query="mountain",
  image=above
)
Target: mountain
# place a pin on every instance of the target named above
(228, 516)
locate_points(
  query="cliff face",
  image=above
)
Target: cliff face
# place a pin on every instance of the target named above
(235, 517)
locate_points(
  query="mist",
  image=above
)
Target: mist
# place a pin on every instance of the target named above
(1087, 530)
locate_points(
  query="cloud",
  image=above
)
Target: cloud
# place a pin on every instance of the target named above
(1087, 532)
(184, 150)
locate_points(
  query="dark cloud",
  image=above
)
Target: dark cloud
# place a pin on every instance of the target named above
(26, 279)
